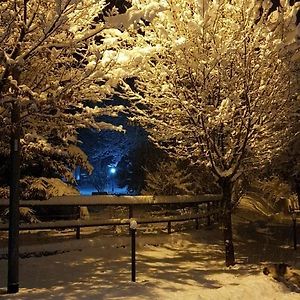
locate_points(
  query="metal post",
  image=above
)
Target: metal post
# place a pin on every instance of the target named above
(14, 199)
(133, 226)
(130, 214)
(133, 260)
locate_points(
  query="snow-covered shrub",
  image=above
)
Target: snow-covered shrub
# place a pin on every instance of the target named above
(241, 187)
(293, 202)
(26, 214)
(4, 192)
(172, 178)
(84, 213)
(44, 188)
(277, 193)
(99, 177)
(131, 168)
(168, 179)
(203, 181)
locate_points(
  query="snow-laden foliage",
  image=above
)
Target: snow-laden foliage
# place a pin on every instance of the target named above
(213, 80)
(44, 188)
(277, 193)
(52, 65)
(176, 177)
(41, 188)
(99, 177)
(4, 192)
(109, 147)
(168, 179)
(287, 165)
(26, 214)
(131, 168)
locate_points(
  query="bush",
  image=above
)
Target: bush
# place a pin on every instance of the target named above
(168, 179)
(277, 193)
(42, 189)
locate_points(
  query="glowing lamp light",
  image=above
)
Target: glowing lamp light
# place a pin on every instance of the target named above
(112, 170)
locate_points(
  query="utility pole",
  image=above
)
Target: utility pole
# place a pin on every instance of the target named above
(14, 201)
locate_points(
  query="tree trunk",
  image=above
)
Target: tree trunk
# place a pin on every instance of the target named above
(14, 197)
(227, 222)
(297, 188)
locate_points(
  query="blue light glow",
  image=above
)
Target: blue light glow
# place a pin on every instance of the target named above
(112, 170)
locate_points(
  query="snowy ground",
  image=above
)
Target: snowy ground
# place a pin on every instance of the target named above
(88, 189)
(184, 265)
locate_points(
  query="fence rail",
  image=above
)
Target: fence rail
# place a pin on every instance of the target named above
(211, 204)
(78, 200)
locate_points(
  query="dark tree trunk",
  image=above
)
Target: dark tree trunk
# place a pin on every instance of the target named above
(297, 188)
(14, 197)
(229, 249)
(227, 222)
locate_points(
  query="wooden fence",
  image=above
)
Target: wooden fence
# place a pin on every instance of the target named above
(211, 203)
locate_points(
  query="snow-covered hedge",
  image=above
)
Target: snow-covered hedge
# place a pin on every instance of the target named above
(41, 188)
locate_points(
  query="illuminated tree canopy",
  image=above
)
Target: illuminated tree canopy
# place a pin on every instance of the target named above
(52, 67)
(214, 83)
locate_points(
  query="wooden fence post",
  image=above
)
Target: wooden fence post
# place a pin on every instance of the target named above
(208, 214)
(197, 223)
(78, 232)
(294, 230)
(197, 212)
(169, 227)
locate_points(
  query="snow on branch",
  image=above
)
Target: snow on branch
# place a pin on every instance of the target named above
(213, 81)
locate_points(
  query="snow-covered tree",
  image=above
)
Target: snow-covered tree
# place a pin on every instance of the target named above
(287, 165)
(168, 179)
(131, 168)
(99, 177)
(213, 83)
(54, 62)
(111, 146)
(52, 79)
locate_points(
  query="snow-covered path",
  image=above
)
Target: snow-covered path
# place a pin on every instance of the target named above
(180, 266)
(177, 266)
